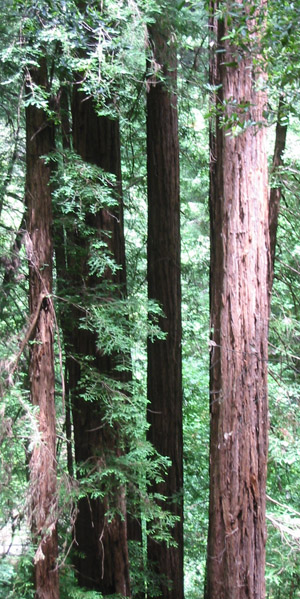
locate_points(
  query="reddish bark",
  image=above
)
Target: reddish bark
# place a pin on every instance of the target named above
(240, 257)
(164, 356)
(39, 142)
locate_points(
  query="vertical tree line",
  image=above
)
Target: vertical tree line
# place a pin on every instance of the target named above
(43, 487)
(239, 311)
(164, 355)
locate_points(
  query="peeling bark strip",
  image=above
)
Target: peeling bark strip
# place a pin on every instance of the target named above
(275, 192)
(39, 142)
(239, 305)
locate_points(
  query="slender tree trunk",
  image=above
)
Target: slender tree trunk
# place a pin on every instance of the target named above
(102, 560)
(64, 276)
(164, 356)
(39, 142)
(275, 192)
(239, 304)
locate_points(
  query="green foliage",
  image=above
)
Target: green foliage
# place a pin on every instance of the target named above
(69, 588)
(80, 188)
(22, 581)
(6, 576)
(281, 49)
(17, 431)
(284, 444)
(103, 50)
(195, 321)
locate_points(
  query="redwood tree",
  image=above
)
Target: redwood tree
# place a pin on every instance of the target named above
(39, 142)
(102, 559)
(164, 356)
(100, 552)
(239, 305)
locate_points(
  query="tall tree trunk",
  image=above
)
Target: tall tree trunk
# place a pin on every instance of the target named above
(39, 142)
(102, 560)
(164, 356)
(239, 305)
(275, 192)
(64, 276)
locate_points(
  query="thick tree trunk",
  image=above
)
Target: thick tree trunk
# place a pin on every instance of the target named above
(164, 356)
(39, 142)
(102, 560)
(240, 256)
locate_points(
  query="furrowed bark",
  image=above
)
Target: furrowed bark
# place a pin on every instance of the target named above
(239, 307)
(39, 142)
(164, 356)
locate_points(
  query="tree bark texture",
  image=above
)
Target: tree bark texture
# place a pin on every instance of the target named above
(102, 559)
(39, 142)
(164, 356)
(239, 306)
